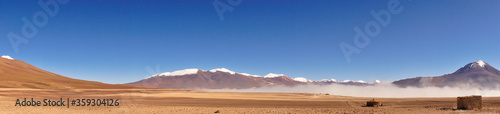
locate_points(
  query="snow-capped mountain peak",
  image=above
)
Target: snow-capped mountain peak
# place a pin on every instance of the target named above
(361, 81)
(328, 80)
(353, 81)
(178, 73)
(302, 79)
(481, 63)
(345, 81)
(246, 74)
(7, 57)
(223, 70)
(477, 75)
(271, 75)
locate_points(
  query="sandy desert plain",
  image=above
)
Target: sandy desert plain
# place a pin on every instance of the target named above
(186, 101)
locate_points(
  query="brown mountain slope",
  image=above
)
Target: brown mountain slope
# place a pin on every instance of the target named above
(19, 74)
(473, 75)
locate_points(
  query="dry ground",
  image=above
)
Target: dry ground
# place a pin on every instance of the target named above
(183, 101)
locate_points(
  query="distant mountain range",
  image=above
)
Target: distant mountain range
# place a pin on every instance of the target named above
(222, 78)
(19, 74)
(473, 75)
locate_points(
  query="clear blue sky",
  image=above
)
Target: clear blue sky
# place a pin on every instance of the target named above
(114, 41)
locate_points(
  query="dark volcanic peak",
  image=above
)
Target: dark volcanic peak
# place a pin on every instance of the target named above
(473, 75)
(479, 66)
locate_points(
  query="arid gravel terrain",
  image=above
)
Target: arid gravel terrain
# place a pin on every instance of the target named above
(184, 101)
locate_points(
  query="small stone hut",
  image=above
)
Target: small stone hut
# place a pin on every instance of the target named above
(469, 102)
(373, 103)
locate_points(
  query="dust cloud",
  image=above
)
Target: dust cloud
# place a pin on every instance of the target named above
(383, 90)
